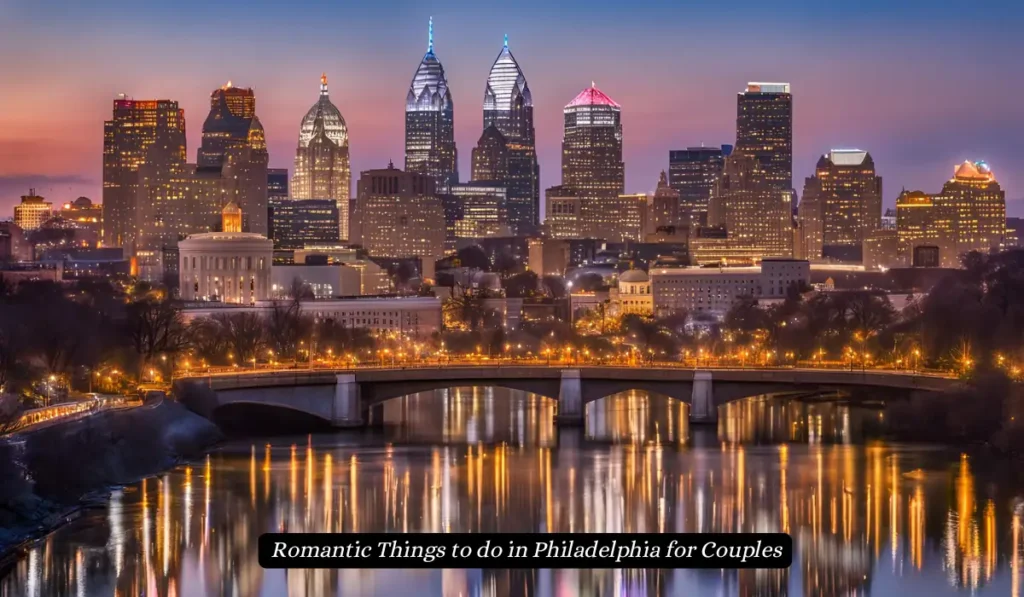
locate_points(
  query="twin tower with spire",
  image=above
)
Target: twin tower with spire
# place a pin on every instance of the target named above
(506, 153)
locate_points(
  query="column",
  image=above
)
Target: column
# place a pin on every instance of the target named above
(702, 400)
(570, 399)
(346, 410)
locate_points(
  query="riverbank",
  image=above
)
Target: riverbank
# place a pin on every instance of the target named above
(50, 475)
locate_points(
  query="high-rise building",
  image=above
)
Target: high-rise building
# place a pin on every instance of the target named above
(664, 209)
(753, 211)
(508, 106)
(235, 147)
(32, 211)
(592, 146)
(881, 249)
(809, 222)
(764, 130)
(851, 201)
(86, 216)
(916, 223)
(483, 210)
(277, 183)
(150, 131)
(972, 209)
(322, 158)
(563, 213)
(623, 218)
(430, 122)
(694, 172)
(398, 214)
(490, 157)
(296, 223)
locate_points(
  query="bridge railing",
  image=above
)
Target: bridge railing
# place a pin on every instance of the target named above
(67, 410)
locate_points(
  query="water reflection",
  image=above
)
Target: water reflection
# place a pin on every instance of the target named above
(865, 519)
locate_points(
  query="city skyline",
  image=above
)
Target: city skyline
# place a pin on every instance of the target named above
(857, 102)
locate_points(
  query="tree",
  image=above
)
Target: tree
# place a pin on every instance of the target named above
(506, 265)
(154, 327)
(244, 333)
(299, 291)
(286, 326)
(10, 412)
(207, 339)
(554, 286)
(589, 282)
(473, 257)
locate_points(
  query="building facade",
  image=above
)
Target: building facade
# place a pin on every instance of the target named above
(753, 211)
(139, 131)
(86, 216)
(508, 106)
(694, 172)
(322, 168)
(851, 201)
(430, 122)
(714, 291)
(972, 209)
(764, 130)
(664, 210)
(32, 212)
(563, 213)
(810, 227)
(234, 149)
(483, 210)
(295, 223)
(398, 214)
(229, 266)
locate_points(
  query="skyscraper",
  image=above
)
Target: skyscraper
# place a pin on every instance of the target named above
(851, 201)
(491, 157)
(32, 211)
(322, 158)
(139, 131)
(430, 122)
(693, 172)
(235, 147)
(916, 223)
(808, 244)
(972, 209)
(751, 209)
(764, 130)
(398, 214)
(665, 206)
(592, 146)
(277, 183)
(508, 106)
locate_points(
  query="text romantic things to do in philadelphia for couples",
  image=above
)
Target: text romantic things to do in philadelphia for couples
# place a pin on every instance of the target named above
(522, 550)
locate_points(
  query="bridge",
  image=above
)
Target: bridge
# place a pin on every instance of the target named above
(354, 397)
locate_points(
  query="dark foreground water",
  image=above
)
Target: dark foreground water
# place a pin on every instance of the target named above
(866, 518)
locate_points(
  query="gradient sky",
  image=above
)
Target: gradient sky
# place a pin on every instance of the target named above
(921, 84)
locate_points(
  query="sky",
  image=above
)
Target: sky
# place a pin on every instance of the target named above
(921, 84)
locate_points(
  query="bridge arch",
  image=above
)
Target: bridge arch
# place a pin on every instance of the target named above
(376, 393)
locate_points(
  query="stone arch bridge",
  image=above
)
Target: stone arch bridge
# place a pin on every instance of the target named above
(345, 398)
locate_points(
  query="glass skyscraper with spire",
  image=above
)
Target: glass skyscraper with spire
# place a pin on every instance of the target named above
(430, 122)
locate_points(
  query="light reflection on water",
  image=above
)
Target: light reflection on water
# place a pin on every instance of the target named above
(874, 518)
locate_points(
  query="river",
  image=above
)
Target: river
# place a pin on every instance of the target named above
(867, 517)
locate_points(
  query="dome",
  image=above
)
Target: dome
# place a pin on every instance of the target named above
(592, 96)
(323, 115)
(429, 91)
(979, 170)
(82, 203)
(634, 276)
(506, 83)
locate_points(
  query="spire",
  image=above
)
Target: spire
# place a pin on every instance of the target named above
(323, 84)
(430, 36)
(506, 41)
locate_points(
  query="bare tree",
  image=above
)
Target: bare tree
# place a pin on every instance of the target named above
(10, 412)
(244, 333)
(154, 327)
(286, 326)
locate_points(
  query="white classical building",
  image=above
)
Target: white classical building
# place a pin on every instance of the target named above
(634, 294)
(714, 290)
(230, 266)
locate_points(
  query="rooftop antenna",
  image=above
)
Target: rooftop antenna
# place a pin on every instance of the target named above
(430, 36)
(506, 41)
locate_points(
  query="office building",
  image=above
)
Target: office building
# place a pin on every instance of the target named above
(150, 131)
(622, 218)
(881, 249)
(764, 130)
(508, 106)
(694, 172)
(548, 256)
(715, 290)
(664, 208)
(86, 216)
(234, 148)
(972, 209)
(32, 212)
(563, 213)
(295, 223)
(230, 266)
(752, 210)
(916, 223)
(851, 202)
(322, 157)
(430, 122)
(592, 146)
(810, 227)
(483, 210)
(398, 214)
(277, 183)
(490, 157)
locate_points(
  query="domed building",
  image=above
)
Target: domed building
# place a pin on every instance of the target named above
(229, 266)
(322, 167)
(635, 293)
(430, 122)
